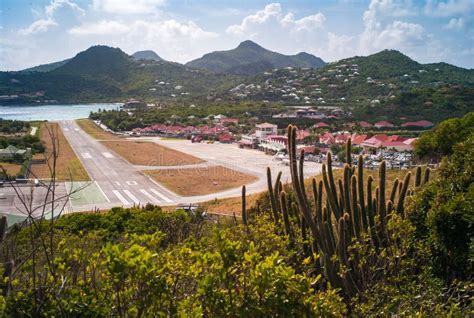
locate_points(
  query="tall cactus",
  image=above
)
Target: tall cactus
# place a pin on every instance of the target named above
(3, 227)
(350, 201)
(244, 207)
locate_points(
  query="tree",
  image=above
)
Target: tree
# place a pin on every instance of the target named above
(439, 141)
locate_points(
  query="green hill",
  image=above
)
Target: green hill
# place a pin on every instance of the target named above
(103, 73)
(250, 58)
(46, 67)
(146, 55)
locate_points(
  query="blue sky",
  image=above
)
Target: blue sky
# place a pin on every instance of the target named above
(34, 32)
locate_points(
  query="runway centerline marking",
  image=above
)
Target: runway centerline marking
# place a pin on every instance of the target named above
(120, 197)
(86, 155)
(132, 183)
(149, 196)
(161, 195)
(107, 155)
(131, 196)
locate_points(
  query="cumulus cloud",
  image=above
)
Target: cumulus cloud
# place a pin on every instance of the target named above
(41, 25)
(103, 27)
(171, 39)
(167, 29)
(449, 8)
(456, 24)
(127, 6)
(380, 34)
(272, 17)
(48, 20)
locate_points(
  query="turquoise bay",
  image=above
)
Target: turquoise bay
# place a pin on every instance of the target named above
(53, 112)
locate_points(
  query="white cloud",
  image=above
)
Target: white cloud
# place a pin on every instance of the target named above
(382, 33)
(456, 24)
(449, 8)
(41, 25)
(127, 6)
(272, 17)
(47, 19)
(55, 5)
(307, 23)
(101, 28)
(170, 38)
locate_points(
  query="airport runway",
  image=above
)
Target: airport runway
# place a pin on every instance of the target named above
(116, 182)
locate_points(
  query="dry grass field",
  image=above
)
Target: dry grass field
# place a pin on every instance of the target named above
(146, 153)
(68, 166)
(200, 181)
(234, 205)
(93, 130)
(11, 169)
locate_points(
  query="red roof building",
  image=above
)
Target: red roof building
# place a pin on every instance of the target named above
(364, 124)
(302, 134)
(321, 125)
(358, 139)
(342, 138)
(384, 124)
(226, 138)
(419, 123)
(327, 139)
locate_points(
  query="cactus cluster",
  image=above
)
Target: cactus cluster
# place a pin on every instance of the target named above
(338, 213)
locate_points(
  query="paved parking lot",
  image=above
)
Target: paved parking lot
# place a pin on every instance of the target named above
(248, 161)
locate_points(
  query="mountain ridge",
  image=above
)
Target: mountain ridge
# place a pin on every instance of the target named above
(249, 58)
(147, 55)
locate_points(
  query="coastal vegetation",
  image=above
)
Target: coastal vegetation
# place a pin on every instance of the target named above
(344, 244)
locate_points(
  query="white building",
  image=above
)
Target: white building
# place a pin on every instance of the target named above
(266, 129)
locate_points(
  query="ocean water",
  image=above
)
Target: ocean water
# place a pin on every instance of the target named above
(52, 112)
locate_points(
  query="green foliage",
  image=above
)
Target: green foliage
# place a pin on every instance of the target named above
(178, 114)
(229, 272)
(440, 141)
(443, 213)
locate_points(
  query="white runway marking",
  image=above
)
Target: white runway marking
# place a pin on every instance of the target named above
(149, 196)
(120, 197)
(103, 193)
(86, 155)
(161, 195)
(132, 183)
(66, 129)
(131, 196)
(107, 155)
(76, 129)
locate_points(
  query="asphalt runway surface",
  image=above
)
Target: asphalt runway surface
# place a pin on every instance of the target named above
(116, 182)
